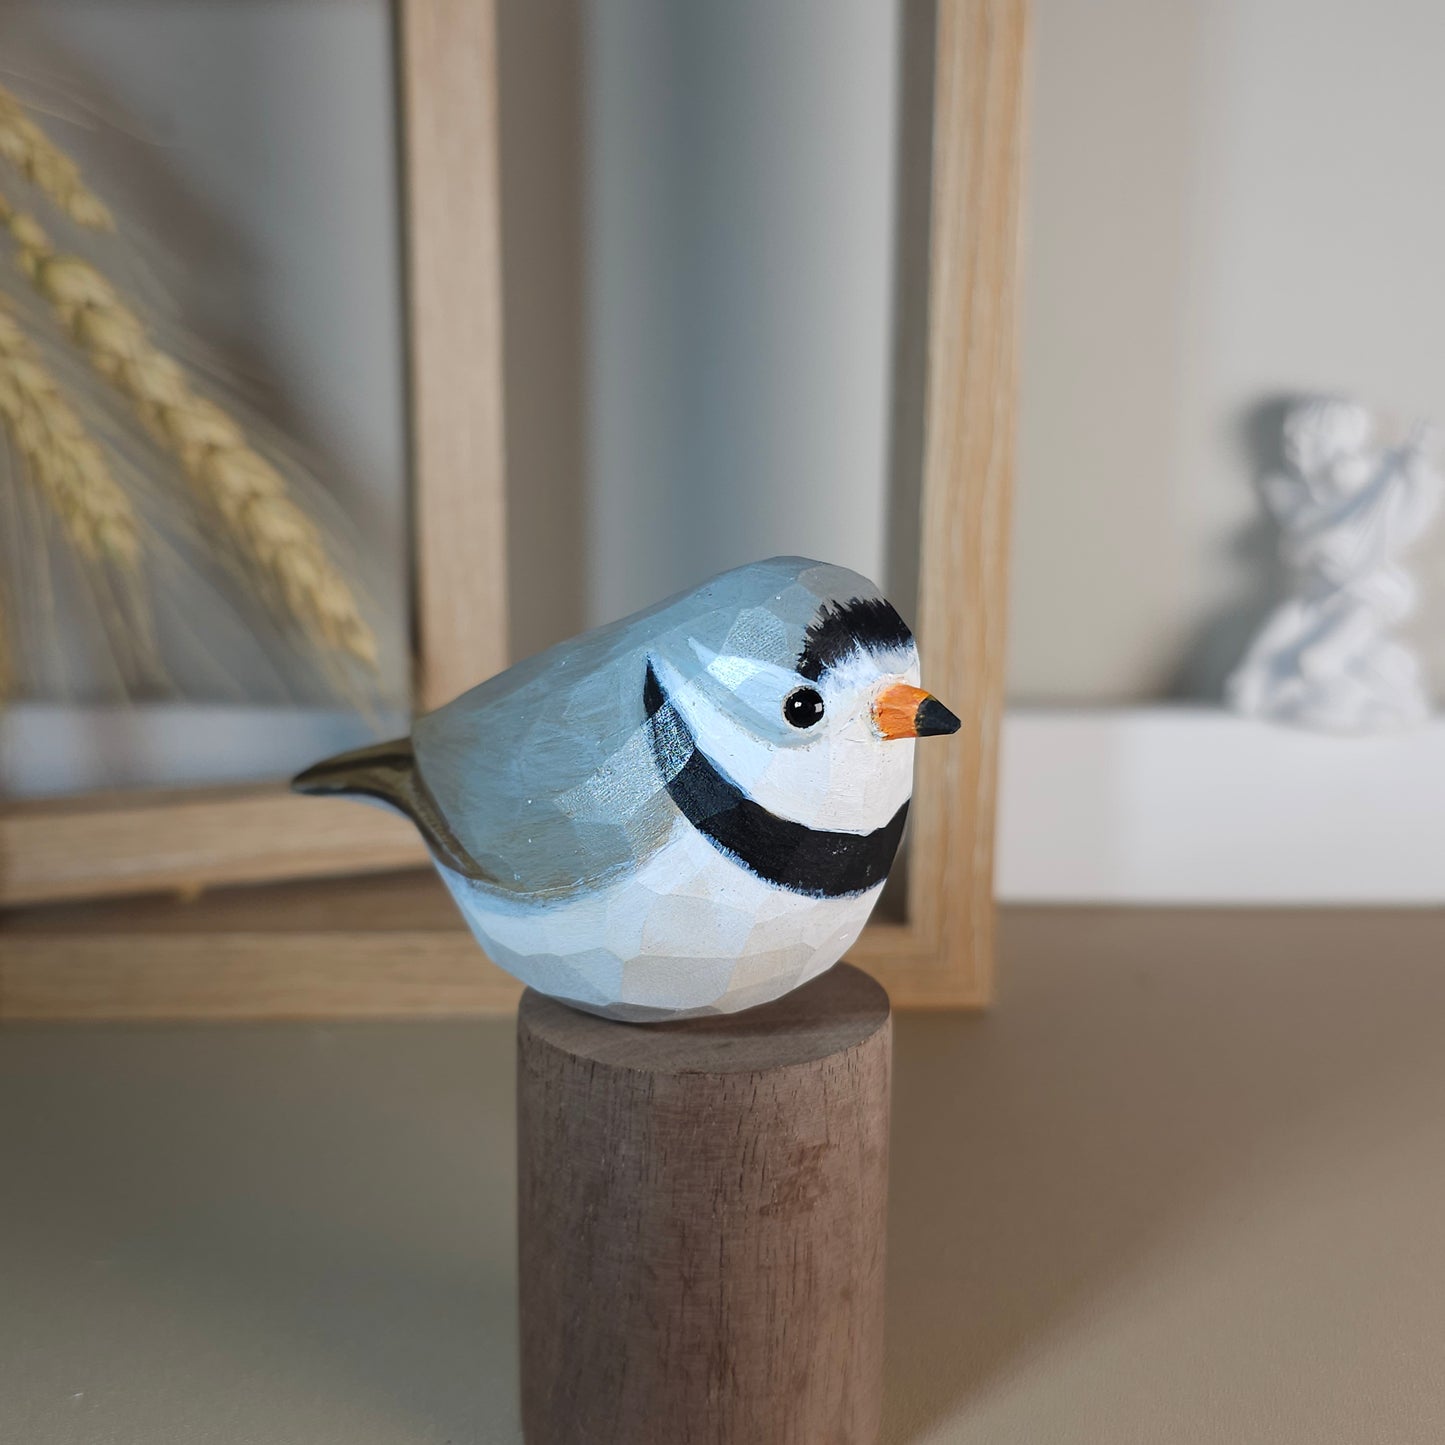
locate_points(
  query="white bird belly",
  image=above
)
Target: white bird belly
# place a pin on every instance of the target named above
(688, 932)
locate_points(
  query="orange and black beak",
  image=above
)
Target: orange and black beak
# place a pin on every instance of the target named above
(901, 711)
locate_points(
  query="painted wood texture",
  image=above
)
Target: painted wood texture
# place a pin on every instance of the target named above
(449, 89)
(701, 1221)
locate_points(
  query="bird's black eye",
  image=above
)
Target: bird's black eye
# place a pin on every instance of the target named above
(803, 707)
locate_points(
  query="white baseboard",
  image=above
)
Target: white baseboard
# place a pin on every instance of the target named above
(1166, 805)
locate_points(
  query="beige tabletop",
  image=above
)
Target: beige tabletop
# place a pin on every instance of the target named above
(1185, 1183)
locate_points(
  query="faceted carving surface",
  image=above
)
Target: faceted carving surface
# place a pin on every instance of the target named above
(647, 830)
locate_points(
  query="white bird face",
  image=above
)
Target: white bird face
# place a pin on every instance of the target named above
(832, 751)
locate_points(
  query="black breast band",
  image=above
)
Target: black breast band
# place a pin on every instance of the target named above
(791, 855)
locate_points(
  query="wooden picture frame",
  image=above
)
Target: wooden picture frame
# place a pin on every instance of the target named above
(185, 840)
(393, 946)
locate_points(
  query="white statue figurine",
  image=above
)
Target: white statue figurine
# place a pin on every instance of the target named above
(690, 811)
(1346, 508)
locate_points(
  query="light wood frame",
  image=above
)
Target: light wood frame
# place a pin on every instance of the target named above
(217, 959)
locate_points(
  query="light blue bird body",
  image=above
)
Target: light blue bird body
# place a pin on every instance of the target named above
(689, 811)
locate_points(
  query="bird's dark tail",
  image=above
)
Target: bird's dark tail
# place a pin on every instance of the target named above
(388, 773)
(383, 770)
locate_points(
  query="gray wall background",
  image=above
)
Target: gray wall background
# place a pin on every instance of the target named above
(698, 210)
(1229, 201)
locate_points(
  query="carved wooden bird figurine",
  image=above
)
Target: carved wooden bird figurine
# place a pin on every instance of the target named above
(689, 811)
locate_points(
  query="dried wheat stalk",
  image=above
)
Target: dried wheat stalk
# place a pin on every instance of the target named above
(62, 461)
(276, 537)
(45, 165)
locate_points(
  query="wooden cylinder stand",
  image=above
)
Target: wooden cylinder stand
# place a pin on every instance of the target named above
(702, 1210)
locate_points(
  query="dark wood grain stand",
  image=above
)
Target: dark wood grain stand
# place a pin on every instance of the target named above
(702, 1212)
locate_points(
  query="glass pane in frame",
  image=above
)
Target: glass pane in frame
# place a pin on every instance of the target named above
(248, 153)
